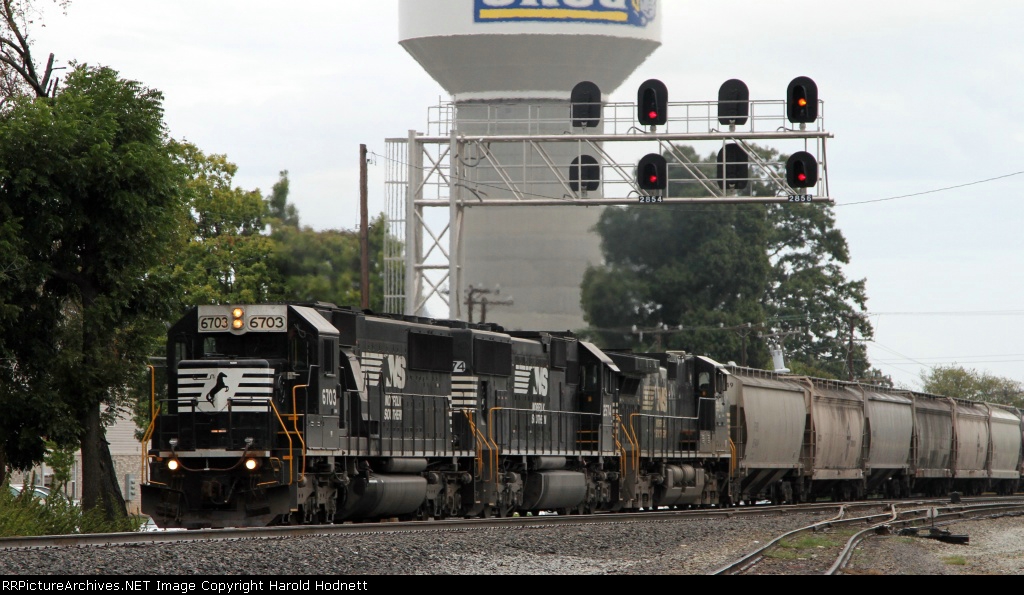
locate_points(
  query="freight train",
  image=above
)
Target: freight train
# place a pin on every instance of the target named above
(312, 413)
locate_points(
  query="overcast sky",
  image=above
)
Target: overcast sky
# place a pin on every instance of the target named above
(921, 96)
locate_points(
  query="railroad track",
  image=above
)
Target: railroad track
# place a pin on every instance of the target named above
(832, 556)
(865, 515)
(173, 536)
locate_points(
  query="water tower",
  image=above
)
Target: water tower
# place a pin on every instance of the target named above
(510, 66)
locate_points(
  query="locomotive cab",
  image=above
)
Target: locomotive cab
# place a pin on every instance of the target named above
(250, 389)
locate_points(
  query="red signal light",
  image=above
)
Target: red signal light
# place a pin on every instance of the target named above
(653, 115)
(801, 170)
(652, 172)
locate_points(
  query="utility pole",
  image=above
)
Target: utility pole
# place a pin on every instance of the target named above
(849, 349)
(471, 300)
(364, 230)
(745, 331)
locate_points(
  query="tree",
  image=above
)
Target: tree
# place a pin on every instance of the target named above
(727, 279)
(280, 212)
(960, 383)
(325, 265)
(19, 73)
(225, 259)
(19, 77)
(90, 180)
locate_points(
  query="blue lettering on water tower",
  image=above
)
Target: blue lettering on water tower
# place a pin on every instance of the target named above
(636, 13)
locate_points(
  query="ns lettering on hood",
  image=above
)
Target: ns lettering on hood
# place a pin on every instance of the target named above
(636, 13)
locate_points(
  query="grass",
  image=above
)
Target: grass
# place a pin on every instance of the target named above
(955, 560)
(797, 547)
(25, 515)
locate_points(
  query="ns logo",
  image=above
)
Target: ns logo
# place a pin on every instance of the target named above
(531, 381)
(387, 369)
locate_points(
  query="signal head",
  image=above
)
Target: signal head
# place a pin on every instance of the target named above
(652, 173)
(733, 103)
(584, 174)
(802, 100)
(652, 103)
(733, 167)
(802, 170)
(585, 105)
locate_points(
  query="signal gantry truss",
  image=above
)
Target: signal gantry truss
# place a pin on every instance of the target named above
(462, 162)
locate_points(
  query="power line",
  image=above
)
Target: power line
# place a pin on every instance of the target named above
(1003, 177)
(960, 313)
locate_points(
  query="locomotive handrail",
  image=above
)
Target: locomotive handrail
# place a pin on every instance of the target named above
(618, 443)
(476, 433)
(145, 451)
(295, 424)
(490, 438)
(154, 411)
(288, 435)
(631, 434)
(144, 469)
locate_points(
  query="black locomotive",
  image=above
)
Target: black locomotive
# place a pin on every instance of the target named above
(289, 414)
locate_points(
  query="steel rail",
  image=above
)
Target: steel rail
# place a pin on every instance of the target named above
(970, 512)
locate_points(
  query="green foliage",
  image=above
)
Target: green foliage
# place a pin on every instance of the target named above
(326, 265)
(26, 515)
(224, 259)
(960, 383)
(60, 460)
(91, 185)
(280, 212)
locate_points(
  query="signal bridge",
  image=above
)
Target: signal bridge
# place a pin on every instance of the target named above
(604, 154)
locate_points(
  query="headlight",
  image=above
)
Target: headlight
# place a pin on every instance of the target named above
(252, 464)
(173, 464)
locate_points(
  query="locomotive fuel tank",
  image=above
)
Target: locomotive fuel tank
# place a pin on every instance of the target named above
(680, 485)
(553, 490)
(381, 495)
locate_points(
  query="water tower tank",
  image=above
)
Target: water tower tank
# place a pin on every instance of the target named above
(510, 66)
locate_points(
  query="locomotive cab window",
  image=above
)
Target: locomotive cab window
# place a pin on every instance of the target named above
(329, 356)
(704, 384)
(180, 351)
(298, 351)
(590, 377)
